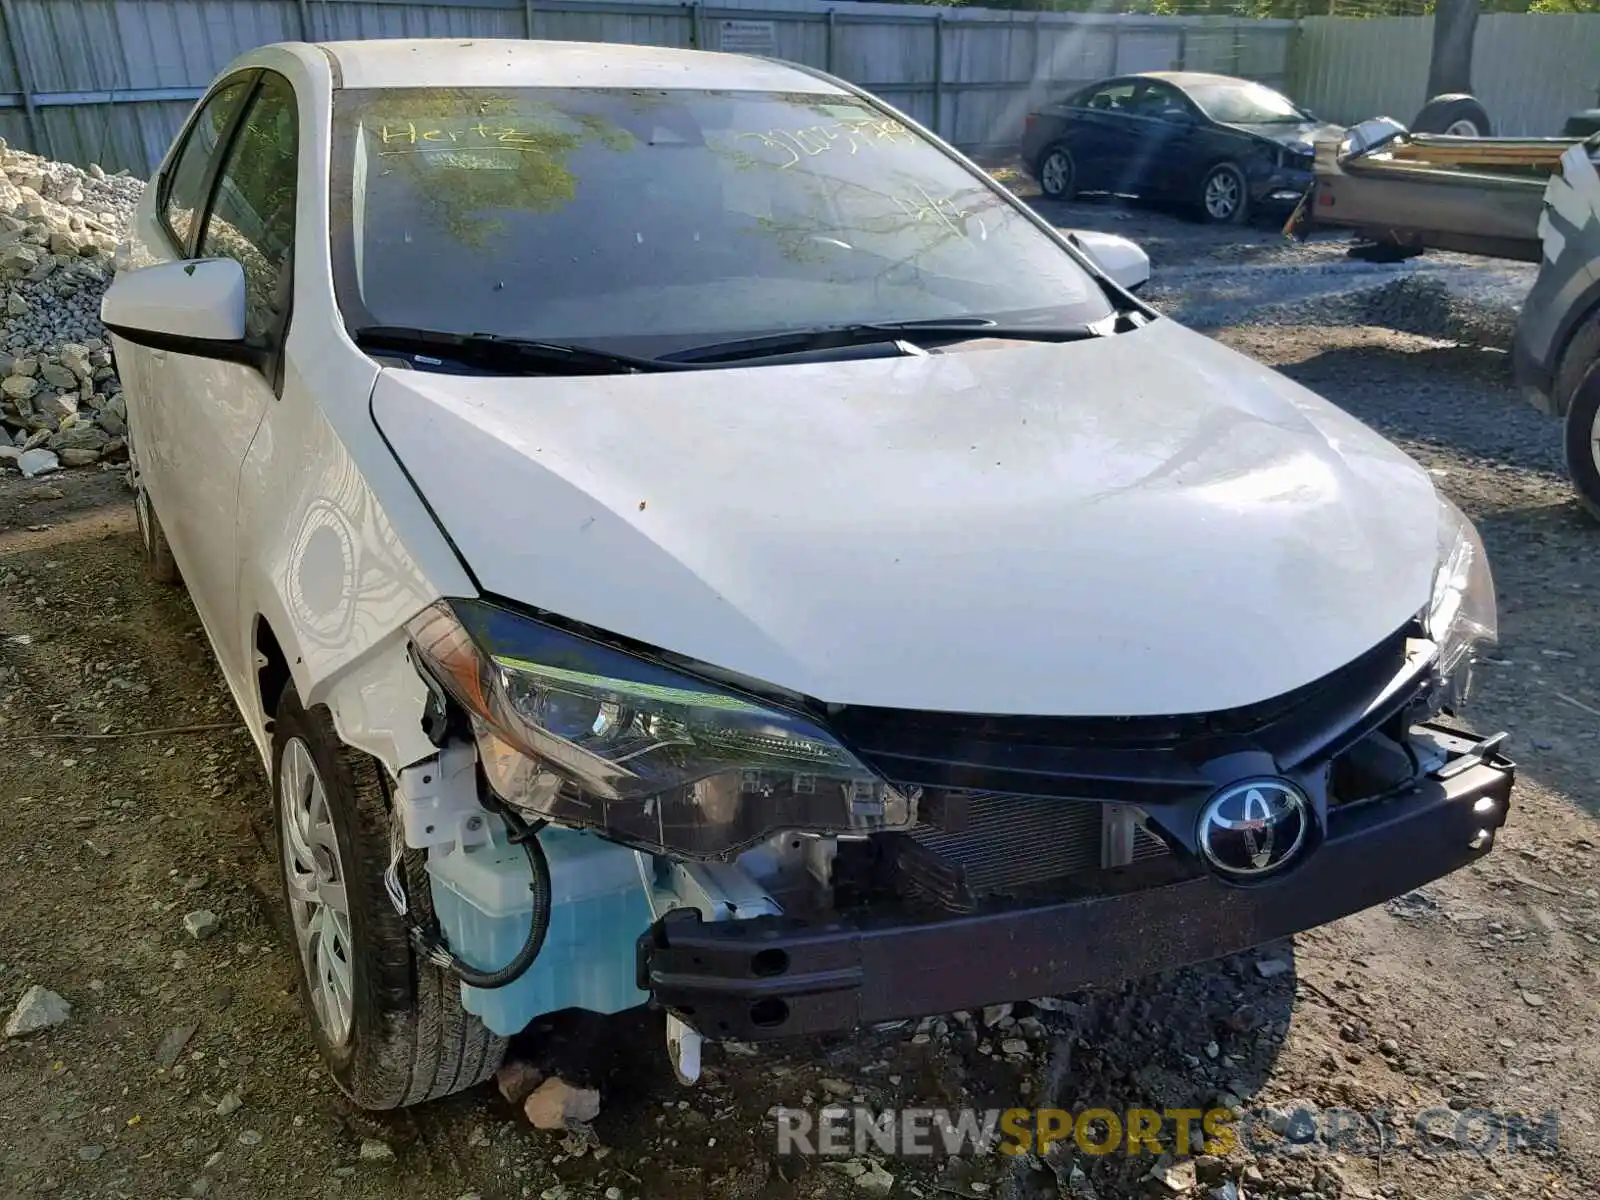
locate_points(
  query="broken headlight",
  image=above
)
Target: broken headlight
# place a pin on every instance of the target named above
(1461, 615)
(584, 734)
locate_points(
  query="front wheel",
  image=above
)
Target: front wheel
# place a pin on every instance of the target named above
(390, 1028)
(1225, 196)
(1058, 173)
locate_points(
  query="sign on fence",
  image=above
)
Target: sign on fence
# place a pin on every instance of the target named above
(749, 37)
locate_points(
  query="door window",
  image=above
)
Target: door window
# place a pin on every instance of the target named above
(184, 194)
(251, 219)
(1114, 97)
(1161, 102)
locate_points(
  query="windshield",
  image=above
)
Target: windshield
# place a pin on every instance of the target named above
(1245, 104)
(652, 220)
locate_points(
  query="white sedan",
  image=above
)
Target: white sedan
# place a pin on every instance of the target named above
(678, 533)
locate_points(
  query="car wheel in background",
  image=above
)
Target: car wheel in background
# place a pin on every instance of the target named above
(1456, 114)
(1382, 250)
(1577, 393)
(1224, 195)
(389, 1026)
(1058, 173)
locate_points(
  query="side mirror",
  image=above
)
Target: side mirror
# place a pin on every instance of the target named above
(194, 308)
(1119, 258)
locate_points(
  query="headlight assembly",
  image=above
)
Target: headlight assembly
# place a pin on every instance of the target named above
(1461, 615)
(585, 734)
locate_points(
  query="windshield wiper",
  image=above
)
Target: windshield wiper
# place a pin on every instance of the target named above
(831, 336)
(495, 352)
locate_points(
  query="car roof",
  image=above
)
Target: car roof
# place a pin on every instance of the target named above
(508, 62)
(1190, 78)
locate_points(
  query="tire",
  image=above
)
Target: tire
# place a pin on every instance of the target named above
(1455, 113)
(1583, 442)
(404, 1037)
(159, 564)
(1057, 173)
(1383, 252)
(1577, 394)
(1221, 182)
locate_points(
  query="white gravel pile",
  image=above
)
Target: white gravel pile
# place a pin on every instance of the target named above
(60, 402)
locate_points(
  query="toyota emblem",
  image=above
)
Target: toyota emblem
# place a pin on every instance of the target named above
(1254, 827)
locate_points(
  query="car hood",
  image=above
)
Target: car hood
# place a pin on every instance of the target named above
(1301, 136)
(1144, 524)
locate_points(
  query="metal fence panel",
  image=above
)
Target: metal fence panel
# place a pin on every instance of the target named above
(1531, 70)
(110, 80)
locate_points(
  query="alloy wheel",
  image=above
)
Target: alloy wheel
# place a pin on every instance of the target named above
(1463, 128)
(318, 904)
(1055, 177)
(1223, 191)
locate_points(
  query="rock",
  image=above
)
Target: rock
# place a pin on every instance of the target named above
(172, 1045)
(201, 924)
(19, 387)
(555, 1102)
(837, 1087)
(516, 1080)
(79, 458)
(58, 376)
(1227, 1190)
(993, 1014)
(80, 436)
(1176, 1177)
(37, 461)
(250, 1137)
(18, 259)
(90, 1154)
(38, 1009)
(219, 997)
(1014, 1047)
(1271, 968)
(16, 306)
(874, 1180)
(373, 1150)
(229, 1104)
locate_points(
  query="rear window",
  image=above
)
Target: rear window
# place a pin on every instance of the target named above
(670, 218)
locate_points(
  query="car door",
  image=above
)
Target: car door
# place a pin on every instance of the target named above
(1169, 135)
(164, 229)
(1103, 134)
(207, 411)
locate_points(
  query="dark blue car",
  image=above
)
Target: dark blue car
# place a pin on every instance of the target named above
(1224, 146)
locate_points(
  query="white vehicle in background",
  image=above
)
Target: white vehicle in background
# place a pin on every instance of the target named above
(678, 533)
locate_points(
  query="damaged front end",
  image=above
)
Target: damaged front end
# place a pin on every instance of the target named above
(762, 867)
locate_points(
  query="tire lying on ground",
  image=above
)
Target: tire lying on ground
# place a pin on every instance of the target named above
(1455, 113)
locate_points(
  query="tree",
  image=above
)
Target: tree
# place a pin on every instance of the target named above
(1455, 25)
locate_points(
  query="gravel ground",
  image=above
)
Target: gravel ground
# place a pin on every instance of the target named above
(184, 1068)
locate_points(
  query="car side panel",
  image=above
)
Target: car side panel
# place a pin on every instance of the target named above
(337, 551)
(333, 547)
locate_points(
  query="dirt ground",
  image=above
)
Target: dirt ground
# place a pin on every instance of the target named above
(1479, 992)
